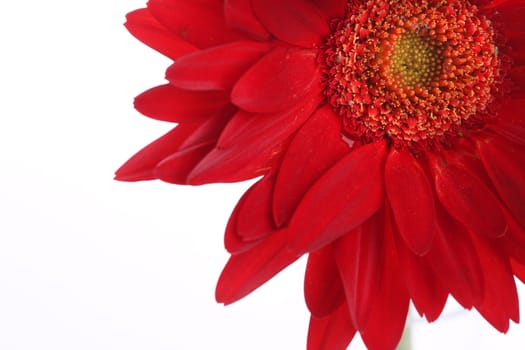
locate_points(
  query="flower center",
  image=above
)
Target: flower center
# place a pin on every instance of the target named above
(414, 61)
(411, 71)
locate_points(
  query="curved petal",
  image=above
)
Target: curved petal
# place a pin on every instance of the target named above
(425, 289)
(518, 270)
(468, 199)
(500, 301)
(239, 15)
(277, 81)
(512, 132)
(247, 271)
(232, 165)
(217, 68)
(251, 144)
(313, 150)
(233, 243)
(141, 166)
(517, 74)
(510, 12)
(175, 168)
(455, 261)
(505, 165)
(514, 241)
(246, 128)
(343, 198)
(492, 4)
(296, 22)
(331, 8)
(199, 22)
(168, 103)
(359, 257)
(323, 290)
(211, 128)
(410, 197)
(389, 309)
(255, 219)
(143, 26)
(510, 123)
(333, 332)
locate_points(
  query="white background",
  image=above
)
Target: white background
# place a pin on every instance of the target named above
(90, 263)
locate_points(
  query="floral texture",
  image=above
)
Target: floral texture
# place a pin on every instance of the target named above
(389, 138)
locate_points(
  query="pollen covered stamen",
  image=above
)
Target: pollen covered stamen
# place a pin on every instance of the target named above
(411, 71)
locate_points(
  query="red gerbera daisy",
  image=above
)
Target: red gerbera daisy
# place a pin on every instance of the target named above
(389, 135)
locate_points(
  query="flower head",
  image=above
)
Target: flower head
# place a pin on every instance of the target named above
(389, 136)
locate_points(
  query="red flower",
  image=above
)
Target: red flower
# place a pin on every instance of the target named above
(389, 135)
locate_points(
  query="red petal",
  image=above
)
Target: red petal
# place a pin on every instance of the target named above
(246, 127)
(491, 4)
(217, 68)
(297, 22)
(232, 242)
(232, 165)
(333, 332)
(314, 149)
(247, 271)
(389, 309)
(518, 270)
(278, 81)
(239, 15)
(211, 128)
(200, 22)
(255, 219)
(505, 166)
(509, 9)
(500, 302)
(426, 291)
(515, 133)
(141, 165)
(468, 199)
(331, 8)
(514, 241)
(510, 123)
(323, 291)
(411, 199)
(168, 103)
(175, 168)
(455, 261)
(251, 144)
(342, 199)
(511, 14)
(192, 150)
(517, 73)
(359, 258)
(147, 29)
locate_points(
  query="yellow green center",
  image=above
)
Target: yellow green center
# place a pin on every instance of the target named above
(414, 61)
